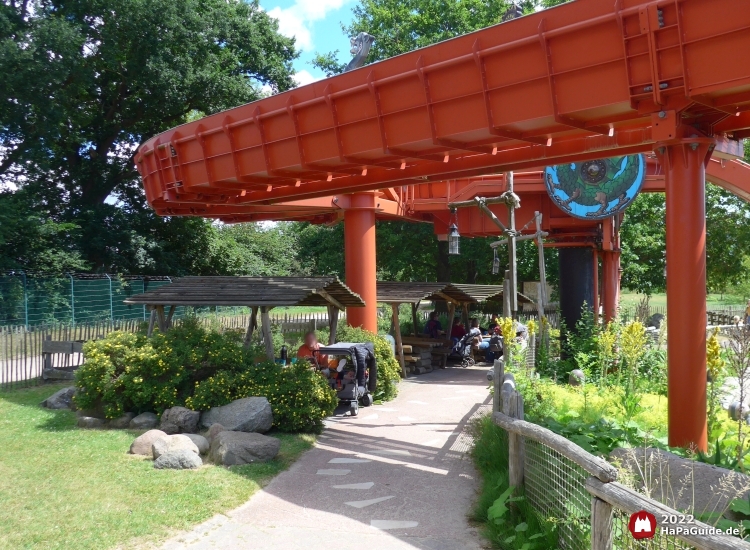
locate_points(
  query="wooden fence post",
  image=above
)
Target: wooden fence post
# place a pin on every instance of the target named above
(601, 524)
(499, 373)
(513, 407)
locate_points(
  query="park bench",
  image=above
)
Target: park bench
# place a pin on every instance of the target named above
(60, 360)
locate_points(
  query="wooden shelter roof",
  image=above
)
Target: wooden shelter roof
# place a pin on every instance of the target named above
(489, 293)
(251, 291)
(395, 292)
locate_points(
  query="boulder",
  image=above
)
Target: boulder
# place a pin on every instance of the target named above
(61, 399)
(179, 420)
(200, 442)
(180, 459)
(250, 414)
(213, 431)
(121, 422)
(90, 422)
(144, 421)
(233, 448)
(174, 442)
(143, 443)
(576, 377)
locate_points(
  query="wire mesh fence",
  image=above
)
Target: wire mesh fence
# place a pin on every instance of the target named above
(555, 487)
(563, 484)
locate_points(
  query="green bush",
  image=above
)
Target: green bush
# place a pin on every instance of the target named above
(300, 397)
(198, 368)
(389, 371)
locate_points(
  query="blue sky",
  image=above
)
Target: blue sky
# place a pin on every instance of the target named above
(316, 26)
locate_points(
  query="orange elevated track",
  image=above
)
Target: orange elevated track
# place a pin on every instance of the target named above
(584, 80)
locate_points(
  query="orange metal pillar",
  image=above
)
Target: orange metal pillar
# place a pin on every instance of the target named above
(686, 289)
(359, 257)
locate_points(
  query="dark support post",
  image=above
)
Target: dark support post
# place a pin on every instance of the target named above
(397, 336)
(265, 321)
(576, 283)
(252, 324)
(333, 323)
(169, 316)
(414, 318)
(685, 173)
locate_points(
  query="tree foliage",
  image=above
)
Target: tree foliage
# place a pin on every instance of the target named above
(85, 81)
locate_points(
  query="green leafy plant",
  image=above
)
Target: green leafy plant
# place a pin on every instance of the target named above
(199, 368)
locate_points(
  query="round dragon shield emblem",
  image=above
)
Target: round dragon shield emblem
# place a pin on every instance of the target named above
(596, 189)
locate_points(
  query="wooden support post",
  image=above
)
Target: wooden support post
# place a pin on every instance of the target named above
(513, 407)
(601, 524)
(414, 317)
(151, 322)
(512, 264)
(265, 321)
(252, 324)
(449, 329)
(499, 374)
(333, 323)
(160, 319)
(399, 343)
(168, 322)
(507, 305)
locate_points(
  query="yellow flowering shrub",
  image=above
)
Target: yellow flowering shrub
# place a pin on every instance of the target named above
(199, 369)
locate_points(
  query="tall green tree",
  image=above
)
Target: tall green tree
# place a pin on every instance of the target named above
(85, 81)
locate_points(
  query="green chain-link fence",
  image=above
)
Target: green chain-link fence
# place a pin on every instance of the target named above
(32, 300)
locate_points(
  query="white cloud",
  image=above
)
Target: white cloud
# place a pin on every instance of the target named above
(304, 77)
(297, 19)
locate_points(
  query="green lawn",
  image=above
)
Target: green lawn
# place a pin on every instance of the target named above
(66, 488)
(713, 301)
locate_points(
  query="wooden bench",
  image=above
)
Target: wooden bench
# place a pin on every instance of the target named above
(58, 359)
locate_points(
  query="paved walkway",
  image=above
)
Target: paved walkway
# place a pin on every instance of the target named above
(395, 478)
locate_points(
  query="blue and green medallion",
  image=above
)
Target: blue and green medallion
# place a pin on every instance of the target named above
(596, 189)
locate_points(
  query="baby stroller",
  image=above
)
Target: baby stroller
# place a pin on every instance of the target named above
(356, 376)
(462, 350)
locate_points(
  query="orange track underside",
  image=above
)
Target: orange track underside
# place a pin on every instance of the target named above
(588, 79)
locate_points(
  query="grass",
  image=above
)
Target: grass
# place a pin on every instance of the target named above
(62, 487)
(631, 299)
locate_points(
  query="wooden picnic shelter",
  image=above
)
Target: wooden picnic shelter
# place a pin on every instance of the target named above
(258, 293)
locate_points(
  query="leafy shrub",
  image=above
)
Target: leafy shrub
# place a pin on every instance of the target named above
(198, 368)
(389, 371)
(300, 398)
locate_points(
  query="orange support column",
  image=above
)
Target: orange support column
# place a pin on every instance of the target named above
(359, 254)
(686, 289)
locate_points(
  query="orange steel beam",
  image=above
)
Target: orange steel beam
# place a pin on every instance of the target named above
(586, 79)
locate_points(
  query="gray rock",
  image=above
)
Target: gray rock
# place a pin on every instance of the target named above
(200, 442)
(576, 377)
(122, 422)
(179, 420)
(61, 399)
(682, 483)
(170, 443)
(251, 414)
(144, 421)
(233, 448)
(90, 422)
(655, 320)
(213, 431)
(143, 443)
(180, 459)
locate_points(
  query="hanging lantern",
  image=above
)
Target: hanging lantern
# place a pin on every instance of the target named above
(496, 264)
(454, 238)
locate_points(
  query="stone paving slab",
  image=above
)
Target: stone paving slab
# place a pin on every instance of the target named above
(397, 477)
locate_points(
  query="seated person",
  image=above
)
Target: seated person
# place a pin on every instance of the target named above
(433, 328)
(457, 331)
(480, 343)
(310, 349)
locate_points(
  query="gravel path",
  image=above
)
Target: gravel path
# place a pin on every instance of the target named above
(397, 477)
